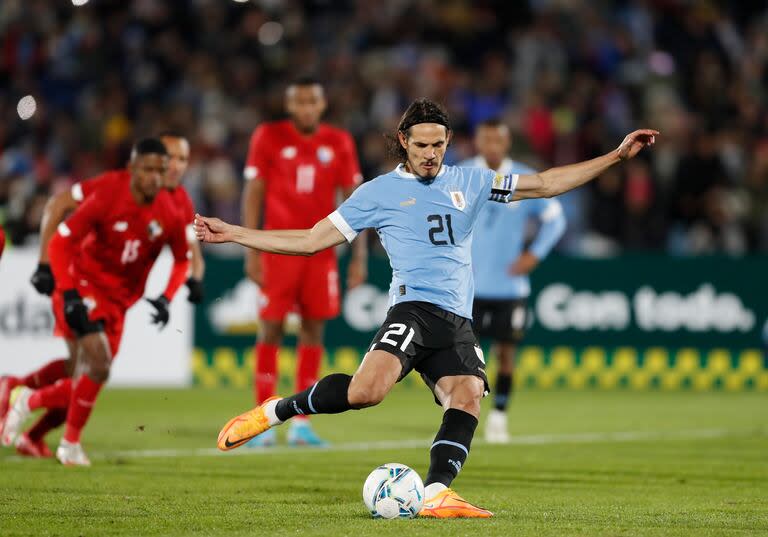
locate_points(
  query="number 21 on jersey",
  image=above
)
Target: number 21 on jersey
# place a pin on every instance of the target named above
(130, 251)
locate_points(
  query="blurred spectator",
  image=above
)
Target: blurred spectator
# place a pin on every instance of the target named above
(570, 78)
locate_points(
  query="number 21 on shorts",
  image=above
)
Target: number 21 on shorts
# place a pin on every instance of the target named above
(398, 329)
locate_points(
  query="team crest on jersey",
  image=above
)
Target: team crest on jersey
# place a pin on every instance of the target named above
(498, 182)
(324, 154)
(288, 152)
(155, 229)
(457, 197)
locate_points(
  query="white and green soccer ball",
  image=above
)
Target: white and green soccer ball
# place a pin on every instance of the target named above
(393, 491)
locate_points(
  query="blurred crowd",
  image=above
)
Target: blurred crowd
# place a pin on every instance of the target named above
(570, 78)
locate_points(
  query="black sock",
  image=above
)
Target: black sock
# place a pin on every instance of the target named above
(327, 396)
(503, 391)
(451, 446)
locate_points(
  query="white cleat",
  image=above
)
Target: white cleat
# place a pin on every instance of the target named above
(70, 454)
(496, 431)
(17, 415)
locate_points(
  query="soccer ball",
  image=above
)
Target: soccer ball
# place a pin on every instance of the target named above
(393, 491)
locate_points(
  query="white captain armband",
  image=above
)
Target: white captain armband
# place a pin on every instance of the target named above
(503, 187)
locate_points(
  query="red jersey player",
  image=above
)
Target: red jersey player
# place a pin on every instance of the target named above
(57, 208)
(101, 257)
(61, 204)
(294, 169)
(178, 160)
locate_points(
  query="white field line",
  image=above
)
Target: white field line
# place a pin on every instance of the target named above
(527, 440)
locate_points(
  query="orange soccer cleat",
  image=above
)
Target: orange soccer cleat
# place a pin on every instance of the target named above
(242, 428)
(448, 504)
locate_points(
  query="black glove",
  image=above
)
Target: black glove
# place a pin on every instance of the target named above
(195, 290)
(42, 279)
(161, 315)
(75, 312)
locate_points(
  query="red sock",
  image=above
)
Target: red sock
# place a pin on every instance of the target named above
(46, 375)
(47, 422)
(54, 396)
(308, 365)
(265, 380)
(84, 395)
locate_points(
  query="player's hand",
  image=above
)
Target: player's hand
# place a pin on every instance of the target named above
(357, 272)
(524, 264)
(42, 279)
(213, 230)
(75, 312)
(253, 267)
(635, 141)
(161, 315)
(195, 287)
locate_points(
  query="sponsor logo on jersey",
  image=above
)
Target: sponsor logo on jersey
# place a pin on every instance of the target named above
(288, 152)
(154, 229)
(457, 197)
(120, 226)
(324, 154)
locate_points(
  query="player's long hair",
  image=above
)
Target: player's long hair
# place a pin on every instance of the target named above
(420, 111)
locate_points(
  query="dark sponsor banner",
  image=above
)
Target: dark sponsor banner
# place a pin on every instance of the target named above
(632, 321)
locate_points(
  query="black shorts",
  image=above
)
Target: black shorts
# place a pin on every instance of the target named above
(500, 320)
(431, 340)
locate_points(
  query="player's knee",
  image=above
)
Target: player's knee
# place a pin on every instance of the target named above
(99, 372)
(361, 395)
(467, 395)
(272, 332)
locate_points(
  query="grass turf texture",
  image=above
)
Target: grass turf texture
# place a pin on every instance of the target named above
(695, 464)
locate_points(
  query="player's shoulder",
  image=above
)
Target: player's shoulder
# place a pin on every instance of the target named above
(277, 127)
(327, 130)
(113, 177)
(469, 174)
(180, 195)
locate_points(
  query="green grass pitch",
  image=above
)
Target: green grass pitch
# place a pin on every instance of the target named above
(582, 463)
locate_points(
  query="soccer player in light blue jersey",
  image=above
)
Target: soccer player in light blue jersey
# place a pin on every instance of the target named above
(424, 213)
(502, 261)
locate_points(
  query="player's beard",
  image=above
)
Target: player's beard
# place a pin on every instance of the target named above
(426, 179)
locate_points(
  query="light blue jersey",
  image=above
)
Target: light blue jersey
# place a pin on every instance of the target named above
(426, 229)
(500, 235)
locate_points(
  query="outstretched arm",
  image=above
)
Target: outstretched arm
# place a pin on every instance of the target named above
(281, 241)
(556, 181)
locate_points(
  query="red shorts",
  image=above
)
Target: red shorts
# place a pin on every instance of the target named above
(99, 309)
(311, 283)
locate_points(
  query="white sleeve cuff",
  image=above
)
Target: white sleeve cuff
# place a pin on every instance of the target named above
(77, 192)
(341, 224)
(250, 173)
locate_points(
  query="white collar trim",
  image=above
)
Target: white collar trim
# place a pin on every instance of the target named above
(400, 170)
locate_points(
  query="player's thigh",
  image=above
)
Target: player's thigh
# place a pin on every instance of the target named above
(319, 296)
(104, 315)
(282, 285)
(374, 379)
(456, 375)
